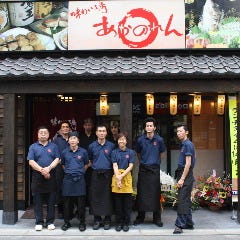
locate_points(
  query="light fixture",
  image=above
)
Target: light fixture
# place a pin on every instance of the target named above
(65, 98)
(150, 104)
(173, 104)
(197, 104)
(220, 104)
(103, 105)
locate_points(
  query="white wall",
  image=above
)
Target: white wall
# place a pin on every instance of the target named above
(207, 160)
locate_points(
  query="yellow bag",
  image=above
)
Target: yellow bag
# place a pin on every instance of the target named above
(126, 183)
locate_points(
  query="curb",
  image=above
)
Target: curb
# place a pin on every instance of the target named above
(112, 232)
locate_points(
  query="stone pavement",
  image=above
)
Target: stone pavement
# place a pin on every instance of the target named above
(206, 223)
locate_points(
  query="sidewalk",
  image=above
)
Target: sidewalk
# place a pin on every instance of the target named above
(206, 223)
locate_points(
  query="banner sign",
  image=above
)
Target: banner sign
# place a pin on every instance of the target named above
(128, 24)
(233, 137)
(121, 24)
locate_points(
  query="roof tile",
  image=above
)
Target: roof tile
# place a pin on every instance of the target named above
(152, 65)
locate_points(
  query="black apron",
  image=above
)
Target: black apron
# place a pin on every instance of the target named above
(184, 193)
(73, 185)
(148, 188)
(42, 185)
(101, 193)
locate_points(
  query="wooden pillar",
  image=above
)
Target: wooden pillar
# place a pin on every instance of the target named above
(238, 153)
(126, 115)
(10, 212)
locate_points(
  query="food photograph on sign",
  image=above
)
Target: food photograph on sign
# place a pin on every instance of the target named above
(212, 23)
(33, 26)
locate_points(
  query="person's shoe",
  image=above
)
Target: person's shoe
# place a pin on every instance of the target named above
(96, 225)
(158, 222)
(138, 221)
(118, 228)
(125, 228)
(82, 227)
(38, 227)
(107, 226)
(177, 230)
(66, 226)
(51, 226)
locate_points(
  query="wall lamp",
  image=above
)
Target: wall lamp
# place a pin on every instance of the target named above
(104, 108)
(173, 104)
(220, 104)
(197, 103)
(149, 103)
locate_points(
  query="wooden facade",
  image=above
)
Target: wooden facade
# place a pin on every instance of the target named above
(14, 140)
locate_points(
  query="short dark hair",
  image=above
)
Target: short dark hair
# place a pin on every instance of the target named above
(101, 125)
(150, 119)
(65, 122)
(114, 124)
(42, 127)
(122, 134)
(87, 120)
(185, 127)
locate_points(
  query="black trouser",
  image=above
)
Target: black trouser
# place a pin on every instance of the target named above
(68, 207)
(156, 215)
(107, 219)
(88, 175)
(59, 179)
(38, 200)
(123, 207)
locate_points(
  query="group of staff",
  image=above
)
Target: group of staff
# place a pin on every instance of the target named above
(110, 181)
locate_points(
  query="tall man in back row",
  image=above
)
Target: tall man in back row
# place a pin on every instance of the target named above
(150, 149)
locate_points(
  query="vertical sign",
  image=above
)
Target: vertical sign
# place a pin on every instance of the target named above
(233, 138)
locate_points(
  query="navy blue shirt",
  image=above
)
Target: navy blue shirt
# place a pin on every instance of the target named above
(43, 155)
(100, 155)
(150, 149)
(85, 140)
(61, 142)
(74, 162)
(123, 158)
(187, 149)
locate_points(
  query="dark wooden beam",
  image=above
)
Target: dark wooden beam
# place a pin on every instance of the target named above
(126, 115)
(10, 212)
(125, 84)
(238, 153)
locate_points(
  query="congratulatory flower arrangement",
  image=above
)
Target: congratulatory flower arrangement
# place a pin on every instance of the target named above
(168, 189)
(213, 191)
(210, 191)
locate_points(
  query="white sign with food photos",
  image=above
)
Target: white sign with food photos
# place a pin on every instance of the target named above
(112, 24)
(126, 25)
(33, 26)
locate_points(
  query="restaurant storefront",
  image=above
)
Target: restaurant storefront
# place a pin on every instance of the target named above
(31, 87)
